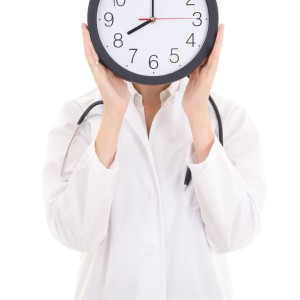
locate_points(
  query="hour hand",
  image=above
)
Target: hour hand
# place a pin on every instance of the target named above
(140, 26)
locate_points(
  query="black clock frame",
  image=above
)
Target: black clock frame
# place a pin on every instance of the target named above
(111, 64)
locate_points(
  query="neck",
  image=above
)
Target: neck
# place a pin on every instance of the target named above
(150, 93)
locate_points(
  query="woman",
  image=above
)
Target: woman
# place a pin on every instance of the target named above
(120, 199)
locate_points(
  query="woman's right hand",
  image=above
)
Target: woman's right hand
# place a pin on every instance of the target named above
(113, 89)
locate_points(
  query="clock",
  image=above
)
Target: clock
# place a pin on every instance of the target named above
(152, 41)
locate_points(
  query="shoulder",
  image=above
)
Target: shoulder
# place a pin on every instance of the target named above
(85, 100)
(73, 108)
(234, 115)
(226, 106)
(238, 124)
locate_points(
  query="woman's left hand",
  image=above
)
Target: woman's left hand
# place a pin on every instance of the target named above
(195, 98)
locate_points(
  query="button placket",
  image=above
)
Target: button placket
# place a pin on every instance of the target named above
(151, 251)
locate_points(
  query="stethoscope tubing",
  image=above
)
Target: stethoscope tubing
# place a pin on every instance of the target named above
(188, 174)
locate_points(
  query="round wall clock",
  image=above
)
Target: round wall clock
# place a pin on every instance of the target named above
(151, 41)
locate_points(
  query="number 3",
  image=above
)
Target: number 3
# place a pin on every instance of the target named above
(199, 18)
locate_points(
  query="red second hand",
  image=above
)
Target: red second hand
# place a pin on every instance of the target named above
(145, 19)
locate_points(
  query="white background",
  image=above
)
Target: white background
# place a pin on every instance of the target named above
(42, 64)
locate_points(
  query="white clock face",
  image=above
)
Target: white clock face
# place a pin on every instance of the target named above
(158, 48)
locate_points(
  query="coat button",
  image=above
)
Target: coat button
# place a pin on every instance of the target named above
(151, 251)
(154, 197)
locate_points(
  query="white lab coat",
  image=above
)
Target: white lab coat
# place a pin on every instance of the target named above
(141, 236)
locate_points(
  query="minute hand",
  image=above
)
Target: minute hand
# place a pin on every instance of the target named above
(143, 19)
(140, 26)
(152, 8)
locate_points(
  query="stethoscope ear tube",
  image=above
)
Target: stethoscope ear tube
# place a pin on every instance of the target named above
(79, 122)
(188, 174)
(212, 102)
(85, 113)
(220, 125)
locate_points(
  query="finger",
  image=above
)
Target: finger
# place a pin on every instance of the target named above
(193, 74)
(203, 64)
(88, 47)
(197, 70)
(90, 52)
(214, 57)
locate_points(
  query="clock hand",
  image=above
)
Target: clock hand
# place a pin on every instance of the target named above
(152, 8)
(143, 19)
(150, 20)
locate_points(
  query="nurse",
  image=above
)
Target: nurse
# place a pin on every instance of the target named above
(121, 202)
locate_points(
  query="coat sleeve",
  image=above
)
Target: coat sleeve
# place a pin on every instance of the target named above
(230, 184)
(77, 204)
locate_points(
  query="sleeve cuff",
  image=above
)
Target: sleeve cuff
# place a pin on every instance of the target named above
(208, 163)
(191, 158)
(96, 163)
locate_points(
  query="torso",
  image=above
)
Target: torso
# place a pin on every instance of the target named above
(150, 113)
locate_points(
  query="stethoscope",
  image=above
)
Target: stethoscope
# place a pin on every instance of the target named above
(83, 118)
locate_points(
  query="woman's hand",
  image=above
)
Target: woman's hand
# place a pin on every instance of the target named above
(195, 98)
(113, 89)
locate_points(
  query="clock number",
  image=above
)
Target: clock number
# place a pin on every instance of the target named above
(199, 18)
(192, 42)
(188, 3)
(153, 61)
(174, 54)
(109, 19)
(118, 40)
(135, 50)
(119, 3)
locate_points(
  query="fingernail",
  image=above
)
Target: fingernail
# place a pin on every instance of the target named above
(82, 26)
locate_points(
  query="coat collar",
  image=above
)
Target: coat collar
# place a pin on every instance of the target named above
(136, 97)
(132, 115)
